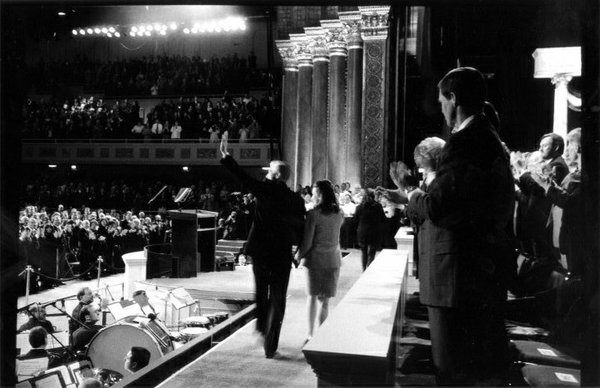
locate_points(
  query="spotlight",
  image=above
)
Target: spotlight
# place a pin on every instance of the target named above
(52, 166)
(74, 32)
(109, 34)
(148, 33)
(186, 30)
(163, 33)
(194, 30)
(140, 33)
(149, 27)
(243, 26)
(157, 27)
(81, 31)
(173, 26)
(134, 29)
(90, 31)
(111, 30)
(61, 13)
(104, 30)
(142, 28)
(185, 168)
(117, 34)
(97, 30)
(73, 167)
(131, 33)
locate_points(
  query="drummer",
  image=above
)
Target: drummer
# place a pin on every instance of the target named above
(142, 300)
(89, 316)
(137, 358)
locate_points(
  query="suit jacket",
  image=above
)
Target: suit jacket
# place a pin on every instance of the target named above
(34, 322)
(465, 258)
(278, 218)
(321, 243)
(83, 336)
(370, 219)
(559, 169)
(53, 360)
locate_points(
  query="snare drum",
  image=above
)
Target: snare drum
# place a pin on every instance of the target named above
(109, 346)
(216, 318)
(198, 321)
(193, 332)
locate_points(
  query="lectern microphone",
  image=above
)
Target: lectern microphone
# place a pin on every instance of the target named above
(182, 195)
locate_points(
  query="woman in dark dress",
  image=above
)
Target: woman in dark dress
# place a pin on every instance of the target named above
(370, 219)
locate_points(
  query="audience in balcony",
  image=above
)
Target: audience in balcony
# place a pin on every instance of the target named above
(195, 118)
(152, 75)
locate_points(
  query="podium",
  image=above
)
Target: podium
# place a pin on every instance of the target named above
(193, 242)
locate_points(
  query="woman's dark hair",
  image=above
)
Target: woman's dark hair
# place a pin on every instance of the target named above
(368, 197)
(330, 203)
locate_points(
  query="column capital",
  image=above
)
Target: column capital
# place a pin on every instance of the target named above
(286, 50)
(317, 43)
(303, 53)
(561, 78)
(336, 37)
(351, 21)
(374, 21)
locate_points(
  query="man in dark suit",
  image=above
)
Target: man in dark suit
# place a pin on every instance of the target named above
(469, 252)
(82, 336)
(552, 147)
(85, 297)
(37, 318)
(38, 339)
(278, 223)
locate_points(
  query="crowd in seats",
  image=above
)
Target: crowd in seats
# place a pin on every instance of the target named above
(152, 75)
(186, 117)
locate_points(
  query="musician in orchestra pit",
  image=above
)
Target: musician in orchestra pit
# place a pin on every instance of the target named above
(90, 382)
(142, 300)
(82, 336)
(38, 339)
(37, 318)
(85, 297)
(136, 359)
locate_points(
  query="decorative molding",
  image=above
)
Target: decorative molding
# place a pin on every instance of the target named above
(352, 26)
(288, 54)
(374, 22)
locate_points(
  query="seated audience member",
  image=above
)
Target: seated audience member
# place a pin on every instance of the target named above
(136, 359)
(90, 382)
(85, 297)
(37, 318)
(82, 336)
(38, 339)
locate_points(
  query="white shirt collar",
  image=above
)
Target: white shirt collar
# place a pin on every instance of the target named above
(463, 124)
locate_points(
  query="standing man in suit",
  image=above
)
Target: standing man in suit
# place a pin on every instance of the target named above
(552, 147)
(278, 223)
(469, 252)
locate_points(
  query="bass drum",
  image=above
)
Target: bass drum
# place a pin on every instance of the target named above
(110, 345)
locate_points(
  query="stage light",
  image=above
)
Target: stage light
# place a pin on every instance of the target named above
(74, 32)
(81, 31)
(163, 33)
(186, 30)
(111, 30)
(73, 167)
(118, 34)
(104, 30)
(109, 34)
(194, 30)
(140, 33)
(142, 29)
(97, 30)
(90, 31)
(131, 33)
(52, 166)
(185, 168)
(157, 27)
(149, 27)
(134, 29)
(173, 26)
(61, 13)
(148, 33)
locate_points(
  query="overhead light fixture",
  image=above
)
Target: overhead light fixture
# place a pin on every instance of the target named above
(104, 30)
(111, 30)
(73, 167)
(90, 31)
(81, 31)
(118, 34)
(173, 26)
(61, 13)
(52, 166)
(131, 33)
(186, 30)
(134, 29)
(97, 30)
(148, 33)
(185, 168)
(74, 32)
(109, 34)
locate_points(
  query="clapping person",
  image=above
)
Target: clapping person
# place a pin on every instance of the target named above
(320, 252)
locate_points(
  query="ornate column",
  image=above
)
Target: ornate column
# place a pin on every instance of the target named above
(374, 30)
(353, 166)
(304, 107)
(337, 139)
(289, 122)
(320, 59)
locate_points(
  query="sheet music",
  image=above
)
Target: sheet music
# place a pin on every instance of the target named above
(51, 381)
(124, 308)
(29, 368)
(180, 298)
